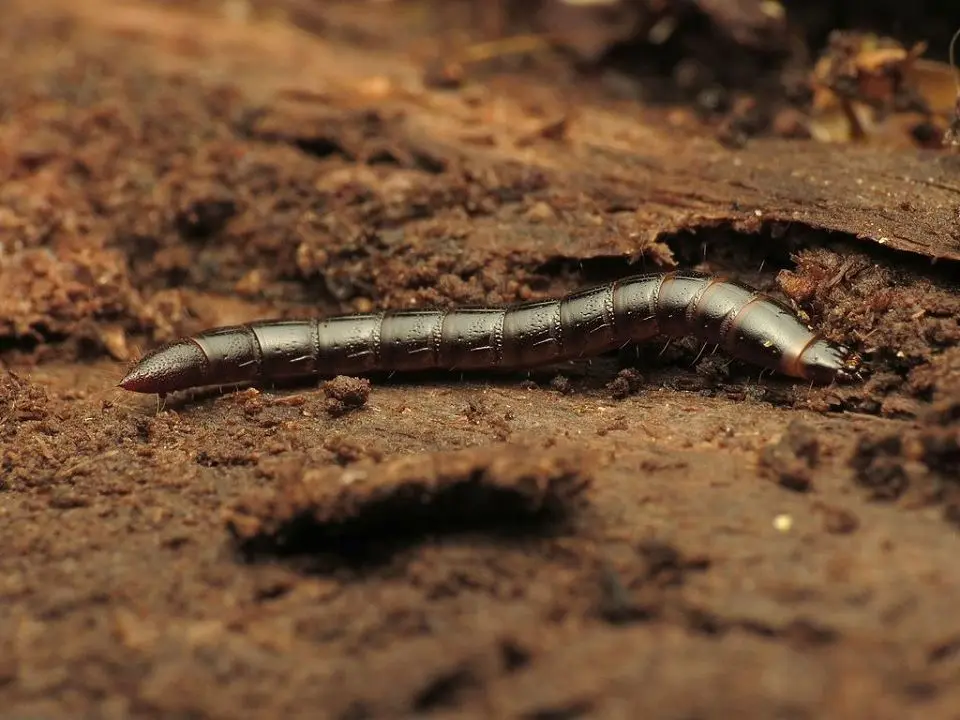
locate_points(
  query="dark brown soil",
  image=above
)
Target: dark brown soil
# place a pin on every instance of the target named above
(658, 534)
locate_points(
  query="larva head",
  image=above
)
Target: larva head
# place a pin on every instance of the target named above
(823, 362)
(167, 369)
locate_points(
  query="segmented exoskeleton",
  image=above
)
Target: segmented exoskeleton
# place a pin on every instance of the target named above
(747, 324)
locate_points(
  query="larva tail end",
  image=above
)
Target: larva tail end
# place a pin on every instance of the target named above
(823, 362)
(852, 369)
(173, 367)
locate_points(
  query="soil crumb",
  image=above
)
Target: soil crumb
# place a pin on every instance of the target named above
(627, 383)
(916, 467)
(793, 457)
(376, 504)
(345, 394)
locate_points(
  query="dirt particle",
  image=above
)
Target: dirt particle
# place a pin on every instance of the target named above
(715, 368)
(951, 512)
(880, 468)
(205, 217)
(837, 520)
(793, 457)
(475, 412)
(639, 594)
(627, 382)
(807, 633)
(665, 565)
(443, 74)
(790, 123)
(67, 499)
(175, 539)
(214, 459)
(21, 400)
(920, 690)
(925, 461)
(799, 287)
(514, 656)
(617, 605)
(927, 134)
(704, 622)
(540, 212)
(745, 120)
(561, 384)
(896, 406)
(619, 423)
(444, 690)
(345, 394)
(944, 651)
(941, 451)
(346, 452)
(250, 400)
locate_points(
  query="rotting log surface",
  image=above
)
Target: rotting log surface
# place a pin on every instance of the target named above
(728, 546)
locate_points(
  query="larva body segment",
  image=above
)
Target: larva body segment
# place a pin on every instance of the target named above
(748, 325)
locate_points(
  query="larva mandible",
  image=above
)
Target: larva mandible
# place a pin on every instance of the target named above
(747, 324)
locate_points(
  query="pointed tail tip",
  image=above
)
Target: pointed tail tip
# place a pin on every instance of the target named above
(132, 381)
(169, 368)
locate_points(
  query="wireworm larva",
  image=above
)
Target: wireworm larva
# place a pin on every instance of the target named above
(747, 324)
